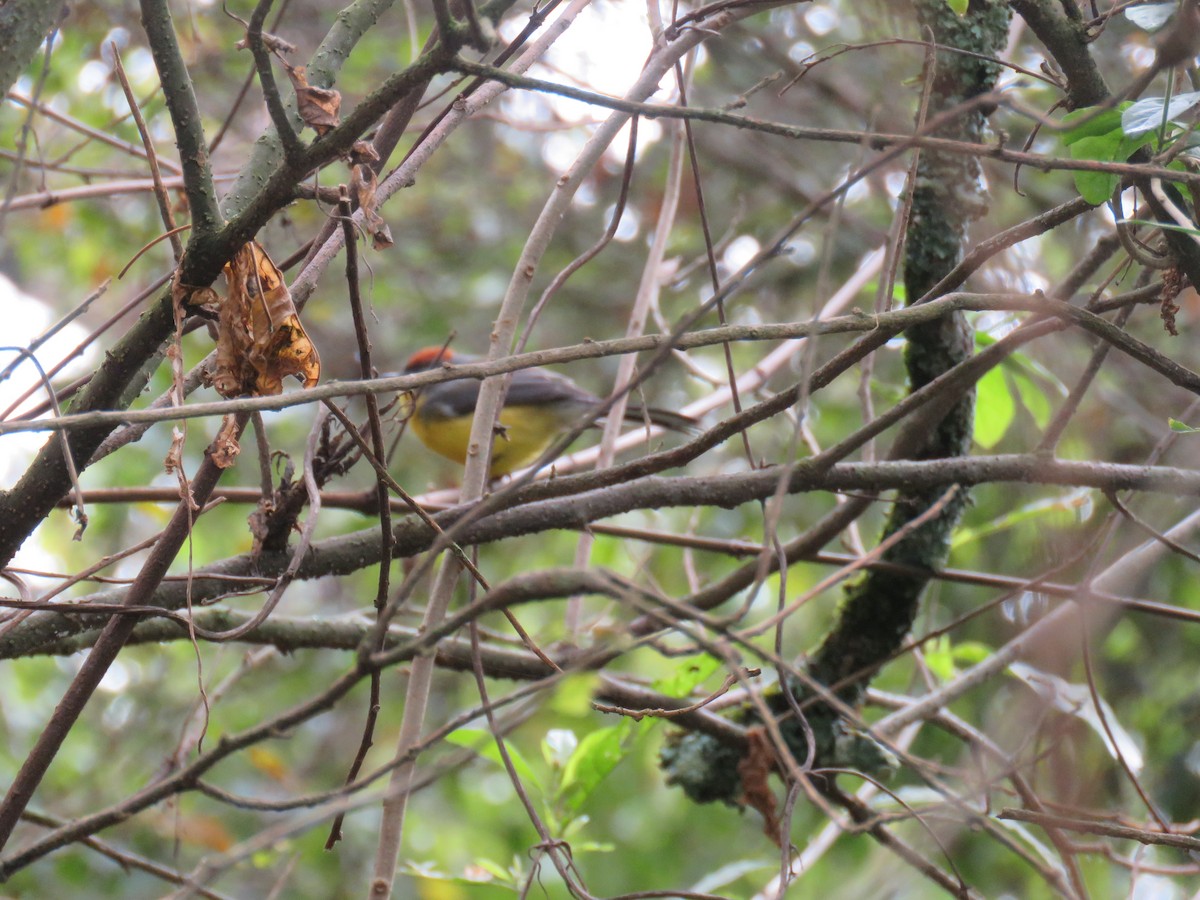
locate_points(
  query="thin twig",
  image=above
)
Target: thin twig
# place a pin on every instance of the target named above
(160, 192)
(116, 632)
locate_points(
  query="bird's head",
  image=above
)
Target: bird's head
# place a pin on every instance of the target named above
(429, 358)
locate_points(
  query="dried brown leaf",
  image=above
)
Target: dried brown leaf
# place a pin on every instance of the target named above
(225, 447)
(364, 183)
(260, 340)
(318, 107)
(188, 298)
(280, 345)
(173, 463)
(363, 153)
(381, 236)
(1173, 284)
(231, 373)
(260, 524)
(755, 768)
(273, 42)
(290, 351)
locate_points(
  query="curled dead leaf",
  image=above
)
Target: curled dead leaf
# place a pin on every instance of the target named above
(381, 237)
(225, 448)
(363, 153)
(273, 42)
(260, 340)
(364, 182)
(260, 523)
(290, 351)
(189, 297)
(755, 768)
(318, 107)
(174, 465)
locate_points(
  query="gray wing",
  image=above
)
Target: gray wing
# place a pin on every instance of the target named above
(530, 388)
(452, 399)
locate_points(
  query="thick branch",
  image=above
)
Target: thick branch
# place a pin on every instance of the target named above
(23, 26)
(185, 118)
(947, 197)
(358, 550)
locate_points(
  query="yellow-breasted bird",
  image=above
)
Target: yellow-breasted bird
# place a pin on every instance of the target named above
(538, 407)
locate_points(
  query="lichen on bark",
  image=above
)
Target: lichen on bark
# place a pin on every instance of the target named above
(878, 611)
(948, 195)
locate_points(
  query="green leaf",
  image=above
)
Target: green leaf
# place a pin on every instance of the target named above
(573, 827)
(1033, 398)
(573, 696)
(971, 652)
(1022, 365)
(1181, 427)
(939, 658)
(1092, 123)
(596, 756)
(958, 7)
(480, 741)
(689, 675)
(1097, 187)
(1130, 144)
(945, 659)
(994, 408)
(1060, 511)
(1100, 137)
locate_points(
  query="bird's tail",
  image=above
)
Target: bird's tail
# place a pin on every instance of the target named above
(663, 417)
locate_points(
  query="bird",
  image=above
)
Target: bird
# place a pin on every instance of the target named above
(539, 406)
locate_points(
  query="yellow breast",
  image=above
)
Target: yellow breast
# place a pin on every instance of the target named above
(528, 431)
